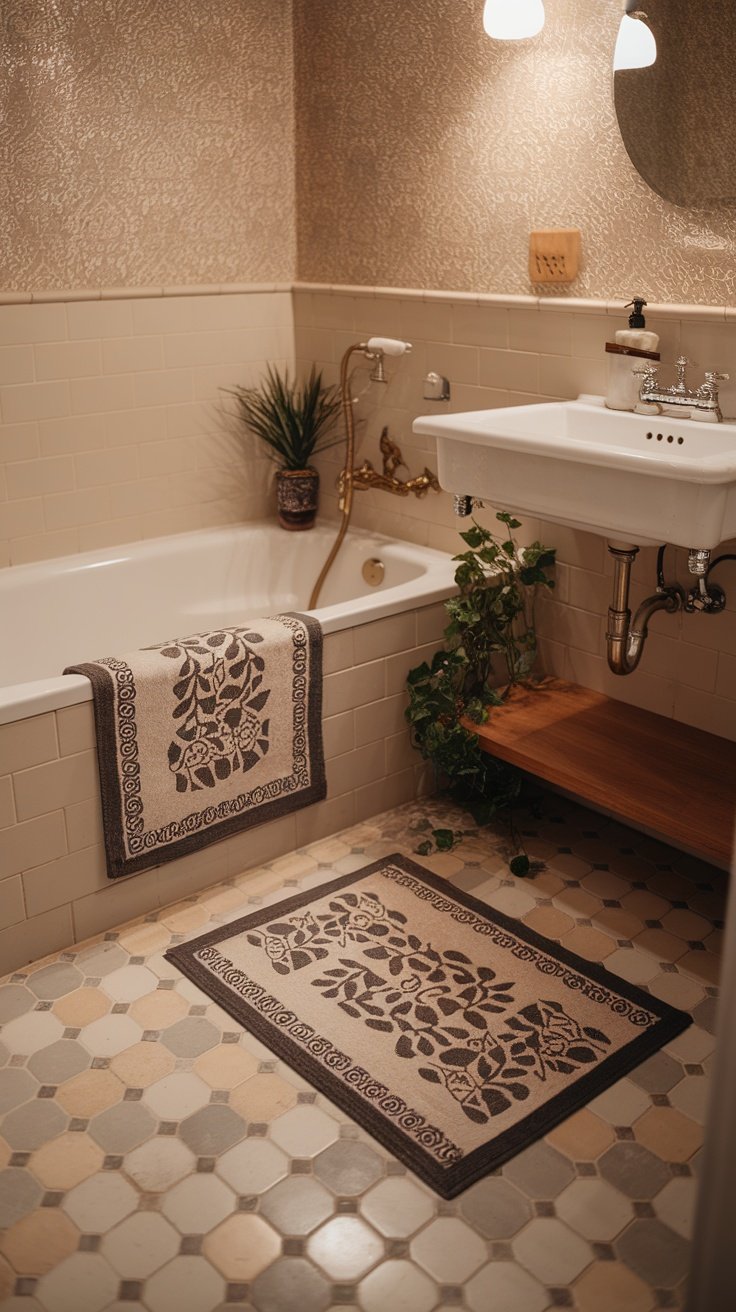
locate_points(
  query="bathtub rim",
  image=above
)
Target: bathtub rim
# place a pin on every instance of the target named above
(21, 701)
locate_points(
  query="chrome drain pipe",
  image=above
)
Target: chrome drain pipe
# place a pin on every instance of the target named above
(624, 639)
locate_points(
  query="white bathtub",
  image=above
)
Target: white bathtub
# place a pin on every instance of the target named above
(77, 608)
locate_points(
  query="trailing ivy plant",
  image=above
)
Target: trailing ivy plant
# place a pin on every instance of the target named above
(491, 625)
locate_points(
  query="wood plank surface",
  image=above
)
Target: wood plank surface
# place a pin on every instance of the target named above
(649, 771)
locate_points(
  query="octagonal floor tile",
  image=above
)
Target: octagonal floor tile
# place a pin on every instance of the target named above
(54, 980)
(16, 1087)
(668, 1134)
(142, 1065)
(66, 1161)
(400, 1286)
(158, 1010)
(100, 1202)
(550, 1251)
(40, 1242)
(199, 1203)
(33, 1124)
(397, 1207)
(212, 1130)
(242, 1247)
(32, 1031)
(495, 1208)
(177, 1096)
(655, 1253)
(348, 1167)
(611, 1287)
(129, 983)
(345, 1248)
(190, 1037)
(252, 1167)
(263, 1098)
(304, 1131)
(59, 1062)
(122, 1127)
(15, 1001)
(449, 1250)
(504, 1287)
(140, 1245)
(188, 1284)
(82, 1007)
(19, 1195)
(226, 1066)
(100, 959)
(89, 1093)
(59, 1290)
(109, 1035)
(582, 1137)
(297, 1205)
(594, 1209)
(675, 1205)
(291, 1283)
(159, 1163)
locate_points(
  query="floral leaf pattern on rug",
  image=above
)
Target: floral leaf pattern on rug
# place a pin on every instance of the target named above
(488, 1071)
(299, 940)
(219, 698)
(438, 1005)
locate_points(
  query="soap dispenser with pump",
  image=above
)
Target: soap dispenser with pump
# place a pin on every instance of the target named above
(632, 344)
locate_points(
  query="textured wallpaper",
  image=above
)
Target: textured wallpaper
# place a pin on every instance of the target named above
(145, 142)
(426, 153)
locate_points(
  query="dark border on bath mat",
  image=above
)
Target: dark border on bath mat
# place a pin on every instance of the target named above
(118, 863)
(453, 1180)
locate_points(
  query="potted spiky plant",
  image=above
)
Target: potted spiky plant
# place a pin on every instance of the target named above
(294, 422)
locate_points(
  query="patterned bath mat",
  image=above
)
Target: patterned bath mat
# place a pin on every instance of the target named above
(201, 737)
(454, 1035)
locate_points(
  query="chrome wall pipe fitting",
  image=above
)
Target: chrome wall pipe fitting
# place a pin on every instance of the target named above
(624, 639)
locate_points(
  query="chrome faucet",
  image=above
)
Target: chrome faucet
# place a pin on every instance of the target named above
(702, 401)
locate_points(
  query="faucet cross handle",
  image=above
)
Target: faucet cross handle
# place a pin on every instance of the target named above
(712, 376)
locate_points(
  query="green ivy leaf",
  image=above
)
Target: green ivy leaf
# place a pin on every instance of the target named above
(423, 849)
(520, 865)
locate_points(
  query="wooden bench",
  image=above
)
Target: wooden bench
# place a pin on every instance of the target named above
(674, 781)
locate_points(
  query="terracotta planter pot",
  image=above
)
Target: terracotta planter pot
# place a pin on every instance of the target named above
(297, 497)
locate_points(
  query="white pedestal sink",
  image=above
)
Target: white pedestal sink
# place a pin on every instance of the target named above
(640, 479)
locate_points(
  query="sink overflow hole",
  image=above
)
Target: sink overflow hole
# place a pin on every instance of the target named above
(670, 438)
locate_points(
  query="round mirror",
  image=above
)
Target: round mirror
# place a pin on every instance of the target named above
(678, 116)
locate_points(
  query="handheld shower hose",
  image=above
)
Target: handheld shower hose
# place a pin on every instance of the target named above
(374, 349)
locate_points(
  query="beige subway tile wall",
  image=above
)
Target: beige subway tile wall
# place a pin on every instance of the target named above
(132, 438)
(540, 352)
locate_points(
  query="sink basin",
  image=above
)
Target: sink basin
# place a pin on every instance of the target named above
(641, 479)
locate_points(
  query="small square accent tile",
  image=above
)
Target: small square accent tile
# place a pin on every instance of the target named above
(190, 1245)
(89, 1243)
(292, 1247)
(604, 1252)
(248, 1203)
(236, 1293)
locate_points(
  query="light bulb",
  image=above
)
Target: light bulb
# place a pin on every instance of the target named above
(635, 44)
(513, 20)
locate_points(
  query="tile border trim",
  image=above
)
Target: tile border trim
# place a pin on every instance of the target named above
(548, 304)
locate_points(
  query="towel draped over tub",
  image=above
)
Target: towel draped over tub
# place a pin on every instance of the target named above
(201, 737)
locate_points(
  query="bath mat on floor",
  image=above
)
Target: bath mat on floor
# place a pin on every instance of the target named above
(204, 736)
(454, 1035)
